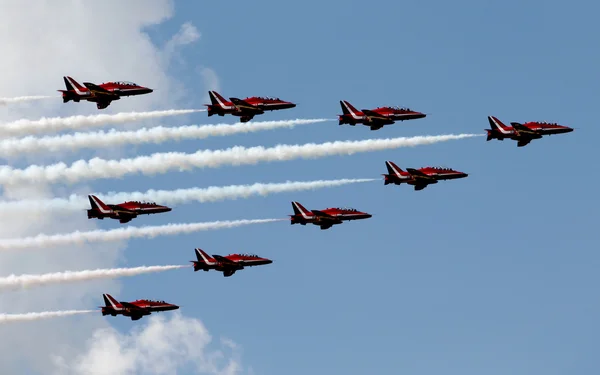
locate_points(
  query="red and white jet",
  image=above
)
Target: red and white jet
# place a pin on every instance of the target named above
(325, 218)
(421, 177)
(247, 108)
(227, 264)
(375, 118)
(102, 94)
(523, 133)
(136, 309)
(124, 212)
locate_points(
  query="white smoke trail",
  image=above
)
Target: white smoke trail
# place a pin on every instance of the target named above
(26, 281)
(27, 317)
(159, 134)
(20, 99)
(100, 235)
(27, 127)
(210, 194)
(97, 168)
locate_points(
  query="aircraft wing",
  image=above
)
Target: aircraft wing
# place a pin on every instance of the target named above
(223, 259)
(418, 174)
(522, 129)
(377, 119)
(374, 115)
(117, 207)
(103, 104)
(325, 217)
(99, 91)
(124, 215)
(132, 306)
(245, 106)
(124, 212)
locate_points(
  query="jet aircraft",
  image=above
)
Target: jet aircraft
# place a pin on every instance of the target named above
(325, 218)
(375, 118)
(136, 309)
(523, 133)
(421, 177)
(246, 108)
(124, 212)
(227, 264)
(102, 94)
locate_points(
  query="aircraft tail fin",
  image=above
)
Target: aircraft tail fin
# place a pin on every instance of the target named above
(68, 84)
(98, 205)
(394, 173)
(203, 258)
(109, 301)
(216, 99)
(351, 114)
(71, 84)
(301, 210)
(498, 125)
(348, 109)
(70, 92)
(393, 169)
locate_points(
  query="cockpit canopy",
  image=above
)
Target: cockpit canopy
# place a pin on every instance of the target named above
(125, 83)
(401, 108)
(267, 98)
(347, 209)
(144, 203)
(441, 168)
(249, 255)
(545, 123)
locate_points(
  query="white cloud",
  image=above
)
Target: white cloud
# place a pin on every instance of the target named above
(187, 34)
(163, 346)
(92, 41)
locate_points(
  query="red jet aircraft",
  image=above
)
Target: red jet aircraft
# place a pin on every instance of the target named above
(325, 218)
(136, 309)
(227, 264)
(523, 133)
(102, 94)
(419, 178)
(247, 108)
(375, 118)
(125, 211)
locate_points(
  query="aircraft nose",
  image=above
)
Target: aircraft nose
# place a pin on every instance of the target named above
(368, 216)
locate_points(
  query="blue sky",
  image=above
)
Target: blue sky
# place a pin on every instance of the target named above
(495, 273)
